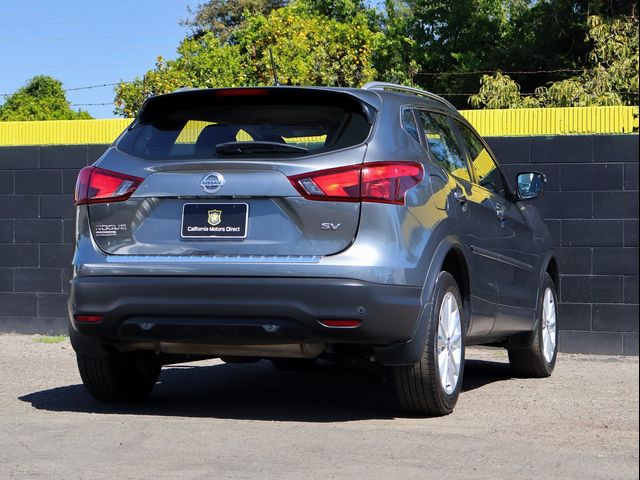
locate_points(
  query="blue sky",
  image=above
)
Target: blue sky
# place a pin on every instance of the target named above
(83, 43)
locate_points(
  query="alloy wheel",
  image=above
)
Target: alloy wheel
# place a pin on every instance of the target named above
(548, 325)
(449, 350)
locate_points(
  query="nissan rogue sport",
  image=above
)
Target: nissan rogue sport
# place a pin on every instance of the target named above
(291, 224)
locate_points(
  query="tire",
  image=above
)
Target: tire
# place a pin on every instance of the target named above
(420, 388)
(293, 363)
(538, 357)
(116, 378)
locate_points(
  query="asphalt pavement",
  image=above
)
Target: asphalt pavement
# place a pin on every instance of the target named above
(211, 420)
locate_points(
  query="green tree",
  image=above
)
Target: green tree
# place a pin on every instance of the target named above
(41, 99)
(202, 62)
(451, 39)
(500, 91)
(611, 77)
(223, 17)
(340, 10)
(394, 56)
(455, 42)
(308, 50)
(440, 45)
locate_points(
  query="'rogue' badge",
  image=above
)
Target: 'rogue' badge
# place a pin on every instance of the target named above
(212, 182)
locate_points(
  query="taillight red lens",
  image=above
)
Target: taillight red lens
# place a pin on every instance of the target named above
(389, 182)
(382, 182)
(337, 184)
(89, 318)
(97, 185)
(333, 323)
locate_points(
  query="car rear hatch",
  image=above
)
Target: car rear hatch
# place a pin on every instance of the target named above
(223, 172)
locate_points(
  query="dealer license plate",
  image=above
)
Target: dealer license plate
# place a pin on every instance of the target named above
(214, 220)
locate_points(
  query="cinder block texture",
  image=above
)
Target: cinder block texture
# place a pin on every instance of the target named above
(590, 205)
(37, 233)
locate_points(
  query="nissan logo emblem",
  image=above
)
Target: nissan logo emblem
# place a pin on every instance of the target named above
(212, 182)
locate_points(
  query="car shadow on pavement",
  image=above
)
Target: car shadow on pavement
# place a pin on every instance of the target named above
(327, 393)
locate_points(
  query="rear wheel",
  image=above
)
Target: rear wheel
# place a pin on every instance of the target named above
(293, 363)
(432, 386)
(124, 377)
(538, 357)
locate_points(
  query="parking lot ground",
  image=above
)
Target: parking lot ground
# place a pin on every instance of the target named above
(211, 420)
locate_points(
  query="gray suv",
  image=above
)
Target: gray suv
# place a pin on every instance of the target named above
(291, 224)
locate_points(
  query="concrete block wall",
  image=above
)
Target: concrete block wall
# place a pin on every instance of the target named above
(591, 207)
(590, 203)
(36, 233)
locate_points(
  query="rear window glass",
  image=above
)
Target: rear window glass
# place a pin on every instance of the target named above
(443, 144)
(279, 123)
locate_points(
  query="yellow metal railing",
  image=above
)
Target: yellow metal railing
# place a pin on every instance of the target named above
(498, 123)
(62, 132)
(553, 121)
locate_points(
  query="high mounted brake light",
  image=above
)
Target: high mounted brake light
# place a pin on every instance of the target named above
(241, 92)
(381, 182)
(97, 185)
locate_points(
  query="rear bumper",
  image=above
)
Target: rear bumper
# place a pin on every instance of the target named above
(144, 311)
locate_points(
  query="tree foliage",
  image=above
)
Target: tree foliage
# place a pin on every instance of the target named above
(201, 62)
(341, 10)
(611, 77)
(394, 58)
(456, 42)
(223, 17)
(308, 49)
(41, 99)
(569, 52)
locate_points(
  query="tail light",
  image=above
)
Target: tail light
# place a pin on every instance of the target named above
(96, 185)
(382, 182)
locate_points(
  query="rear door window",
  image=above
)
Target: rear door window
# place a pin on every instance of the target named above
(485, 168)
(441, 139)
(205, 124)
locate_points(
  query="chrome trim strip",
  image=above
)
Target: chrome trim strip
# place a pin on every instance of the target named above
(212, 259)
(501, 258)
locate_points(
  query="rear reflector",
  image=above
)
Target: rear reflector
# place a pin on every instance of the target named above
(341, 323)
(97, 185)
(381, 182)
(89, 318)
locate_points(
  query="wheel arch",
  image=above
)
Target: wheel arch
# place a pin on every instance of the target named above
(552, 269)
(550, 266)
(448, 255)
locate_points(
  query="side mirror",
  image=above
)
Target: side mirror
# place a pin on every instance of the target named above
(530, 185)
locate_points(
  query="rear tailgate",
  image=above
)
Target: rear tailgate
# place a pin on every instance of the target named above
(195, 200)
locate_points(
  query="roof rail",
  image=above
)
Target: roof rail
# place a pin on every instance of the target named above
(404, 89)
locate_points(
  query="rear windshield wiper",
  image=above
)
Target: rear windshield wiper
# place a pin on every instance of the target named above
(230, 148)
